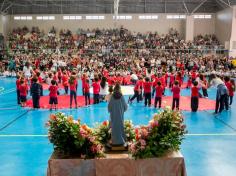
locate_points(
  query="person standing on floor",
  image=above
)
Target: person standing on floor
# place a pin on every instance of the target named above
(53, 89)
(86, 92)
(159, 93)
(117, 107)
(176, 95)
(194, 96)
(96, 90)
(147, 87)
(18, 88)
(35, 90)
(221, 94)
(73, 94)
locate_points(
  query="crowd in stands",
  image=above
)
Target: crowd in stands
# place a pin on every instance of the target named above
(117, 55)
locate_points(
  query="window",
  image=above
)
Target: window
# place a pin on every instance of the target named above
(95, 17)
(123, 17)
(148, 17)
(176, 16)
(202, 16)
(72, 17)
(45, 18)
(22, 17)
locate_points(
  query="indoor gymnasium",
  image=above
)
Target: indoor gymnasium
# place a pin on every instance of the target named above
(117, 88)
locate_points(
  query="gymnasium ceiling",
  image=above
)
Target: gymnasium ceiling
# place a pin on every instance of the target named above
(107, 6)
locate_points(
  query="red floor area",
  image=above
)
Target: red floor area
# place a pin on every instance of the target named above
(185, 102)
(63, 102)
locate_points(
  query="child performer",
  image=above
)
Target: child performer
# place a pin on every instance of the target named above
(35, 90)
(23, 91)
(194, 96)
(147, 86)
(86, 92)
(96, 90)
(18, 88)
(136, 93)
(53, 94)
(73, 94)
(159, 93)
(65, 82)
(176, 95)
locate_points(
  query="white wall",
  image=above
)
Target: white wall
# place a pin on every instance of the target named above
(161, 24)
(224, 25)
(204, 26)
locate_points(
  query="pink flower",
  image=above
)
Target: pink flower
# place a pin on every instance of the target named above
(142, 142)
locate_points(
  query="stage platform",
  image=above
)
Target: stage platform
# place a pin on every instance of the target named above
(118, 164)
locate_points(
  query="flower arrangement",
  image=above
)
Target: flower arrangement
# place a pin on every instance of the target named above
(69, 137)
(163, 134)
(103, 132)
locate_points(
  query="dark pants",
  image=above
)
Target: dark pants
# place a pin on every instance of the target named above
(148, 98)
(222, 102)
(153, 91)
(66, 89)
(95, 98)
(36, 99)
(136, 95)
(175, 103)
(73, 95)
(194, 104)
(18, 96)
(157, 99)
(41, 91)
(231, 100)
(204, 92)
(141, 95)
(87, 98)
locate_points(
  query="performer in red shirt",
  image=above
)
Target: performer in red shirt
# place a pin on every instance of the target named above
(159, 92)
(53, 94)
(65, 82)
(18, 88)
(147, 87)
(86, 92)
(73, 94)
(136, 93)
(194, 96)
(176, 95)
(23, 91)
(96, 90)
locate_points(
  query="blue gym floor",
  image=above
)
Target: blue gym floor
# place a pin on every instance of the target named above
(209, 148)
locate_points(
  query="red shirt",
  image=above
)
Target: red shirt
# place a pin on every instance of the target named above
(83, 79)
(136, 87)
(73, 86)
(172, 78)
(176, 92)
(159, 91)
(140, 82)
(194, 91)
(96, 87)
(23, 90)
(230, 88)
(40, 80)
(53, 91)
(147, 86)
(86, 87)
(65, 80)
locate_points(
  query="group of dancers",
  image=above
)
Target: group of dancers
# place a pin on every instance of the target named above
(147, 85)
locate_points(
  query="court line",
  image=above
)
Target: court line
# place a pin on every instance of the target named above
(45, 135)
(15, 119)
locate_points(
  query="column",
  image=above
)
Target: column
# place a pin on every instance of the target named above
(189, 28)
